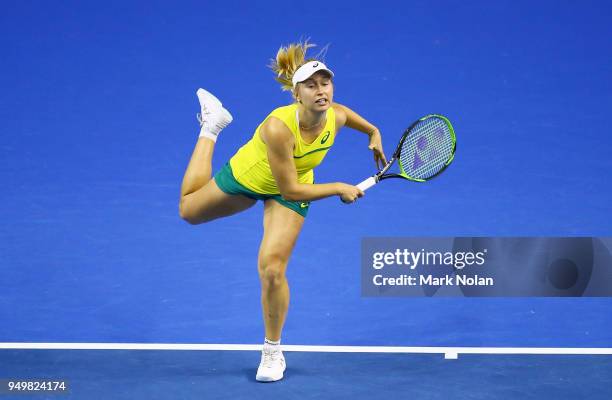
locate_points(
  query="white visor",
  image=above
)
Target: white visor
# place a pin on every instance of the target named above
(306, 71)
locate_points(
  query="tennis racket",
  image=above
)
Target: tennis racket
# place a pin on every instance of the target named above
(426, 148)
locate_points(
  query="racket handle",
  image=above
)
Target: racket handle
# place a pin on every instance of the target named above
(368, 183)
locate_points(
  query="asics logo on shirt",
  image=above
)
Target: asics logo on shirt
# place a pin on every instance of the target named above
(324, 139)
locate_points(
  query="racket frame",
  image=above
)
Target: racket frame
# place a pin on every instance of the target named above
(381, 175)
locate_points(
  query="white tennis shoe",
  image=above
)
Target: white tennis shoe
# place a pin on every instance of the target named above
(213, 117)
(272, 365)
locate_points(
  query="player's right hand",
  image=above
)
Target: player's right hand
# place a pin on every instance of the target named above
(349, 193)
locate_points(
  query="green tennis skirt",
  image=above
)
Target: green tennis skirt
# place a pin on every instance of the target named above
(228, 184)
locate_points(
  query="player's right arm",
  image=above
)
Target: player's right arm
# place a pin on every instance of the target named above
(279, 143)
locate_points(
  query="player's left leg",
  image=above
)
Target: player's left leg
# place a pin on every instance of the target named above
(281, 229)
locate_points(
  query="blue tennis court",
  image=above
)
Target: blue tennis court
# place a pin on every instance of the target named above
(97, 112)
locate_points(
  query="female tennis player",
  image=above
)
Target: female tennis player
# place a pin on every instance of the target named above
(276, 167)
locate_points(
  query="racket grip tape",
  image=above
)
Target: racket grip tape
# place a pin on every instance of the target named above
(368, 183)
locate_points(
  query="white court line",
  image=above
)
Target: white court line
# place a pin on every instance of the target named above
(449, 352)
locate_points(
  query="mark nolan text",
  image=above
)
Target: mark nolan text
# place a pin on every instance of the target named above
(430, 280)
(459, 280)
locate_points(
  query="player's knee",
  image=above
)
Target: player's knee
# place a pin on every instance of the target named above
(186, 212)
(273, 273)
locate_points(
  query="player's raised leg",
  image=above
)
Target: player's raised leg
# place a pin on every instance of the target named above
(201, 198)
(281, 229)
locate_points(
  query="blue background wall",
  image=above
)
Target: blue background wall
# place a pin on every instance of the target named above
(97, 120)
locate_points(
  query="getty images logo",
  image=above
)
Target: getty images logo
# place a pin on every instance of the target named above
(413, 259)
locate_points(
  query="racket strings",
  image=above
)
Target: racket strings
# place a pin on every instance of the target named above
(427, 148)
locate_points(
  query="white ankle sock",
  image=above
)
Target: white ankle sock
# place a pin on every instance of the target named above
(207, 134)
(271, 342)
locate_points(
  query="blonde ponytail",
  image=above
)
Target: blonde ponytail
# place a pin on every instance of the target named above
(289, 59)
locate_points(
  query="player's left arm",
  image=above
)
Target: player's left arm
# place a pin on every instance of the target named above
(347, 117)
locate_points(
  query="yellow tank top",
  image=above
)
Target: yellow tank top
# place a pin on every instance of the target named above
(250, 164)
